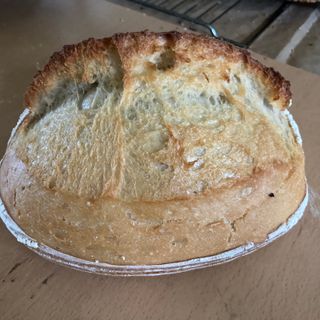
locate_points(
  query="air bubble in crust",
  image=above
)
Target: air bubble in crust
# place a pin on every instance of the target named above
(161, 166)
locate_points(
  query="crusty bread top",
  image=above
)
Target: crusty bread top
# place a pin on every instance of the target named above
(153, 117)
(84, 60)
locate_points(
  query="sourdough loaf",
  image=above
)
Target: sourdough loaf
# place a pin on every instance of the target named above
(146, 148)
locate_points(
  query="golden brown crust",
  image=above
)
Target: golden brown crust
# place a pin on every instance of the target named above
(280, 86)
(70, 61)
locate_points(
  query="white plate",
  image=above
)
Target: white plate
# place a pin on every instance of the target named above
(146, 270)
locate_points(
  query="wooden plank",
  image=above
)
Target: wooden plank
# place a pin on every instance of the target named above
(273, 39)
(243, 21)
(202, 7)
(307, 53)
(217, 10)
(156, 2)
(169, 5)
(186, 5)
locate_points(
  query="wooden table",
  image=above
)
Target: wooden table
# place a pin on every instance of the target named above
(281, 281)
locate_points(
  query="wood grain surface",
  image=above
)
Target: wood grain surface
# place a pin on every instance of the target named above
(307, 54)
(244, 20)
(272, 39)
(281, 281)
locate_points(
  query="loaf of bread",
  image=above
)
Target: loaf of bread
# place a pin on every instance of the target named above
(146, 148)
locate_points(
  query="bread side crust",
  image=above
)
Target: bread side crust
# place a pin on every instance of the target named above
(151, 233)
